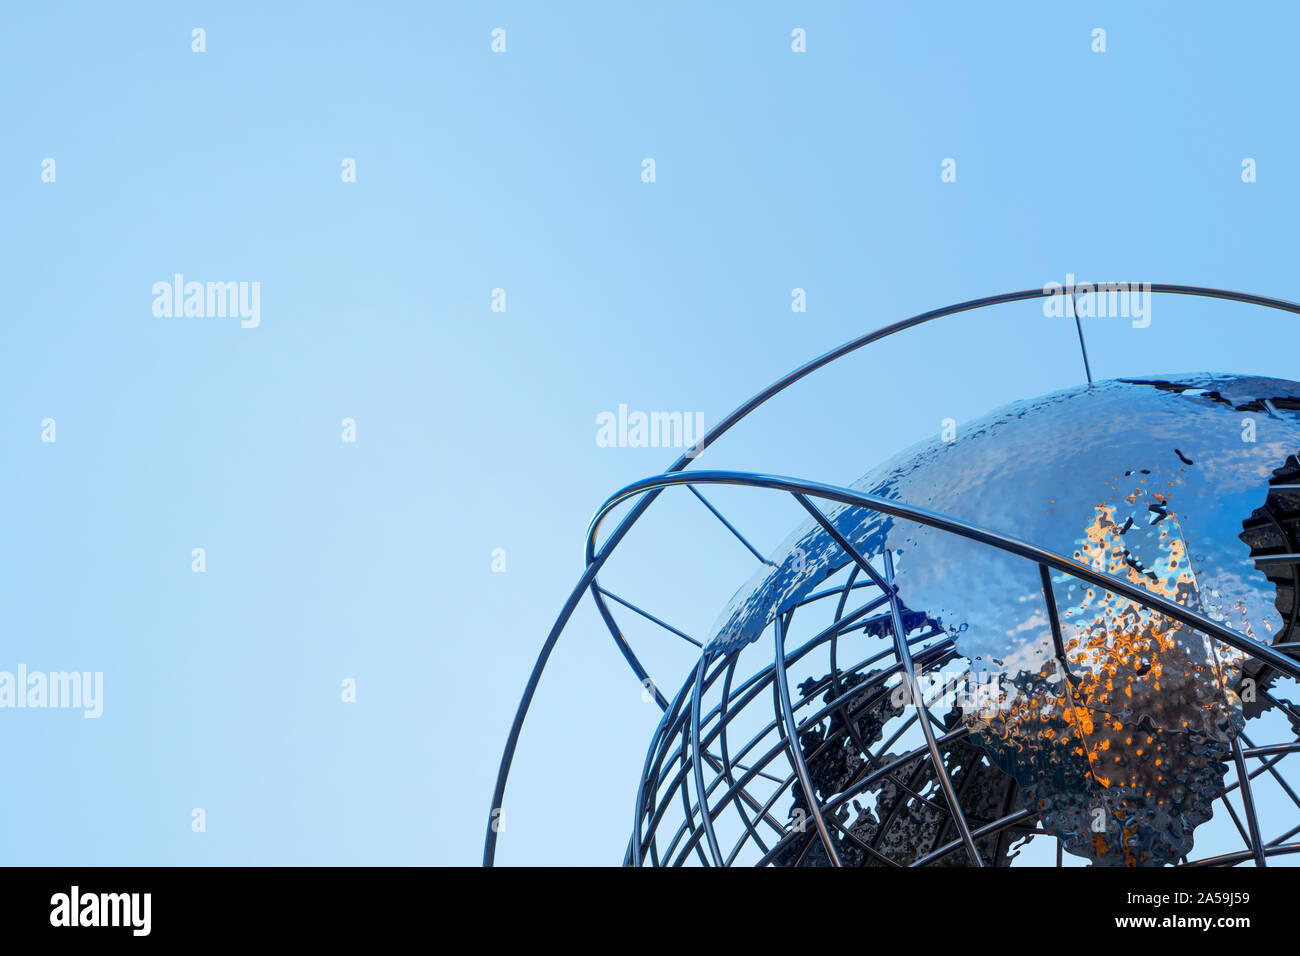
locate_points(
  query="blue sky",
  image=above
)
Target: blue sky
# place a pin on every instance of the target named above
(371, 560)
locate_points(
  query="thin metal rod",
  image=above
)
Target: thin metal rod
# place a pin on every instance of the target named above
(1269, 766)
(997, 826)
(904, 652)
(730, 527)
(792, 741)
(740, 766)
(1270, 749)
(1277, 559)
(1058, 641)
(645, 799)
(1232, 859)
(684, 792)
(1236, 821)
(940, 768)
(495, 820)
(1285, 836)
(1248, 800)
(1074, 308)
(648, 616)
(1049, 598)
(751, 829)
(698, 768)
(642, 675)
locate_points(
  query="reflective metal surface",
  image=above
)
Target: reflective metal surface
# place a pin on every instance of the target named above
(1122, 741)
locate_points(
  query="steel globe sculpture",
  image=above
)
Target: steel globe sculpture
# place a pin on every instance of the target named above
(1072, 620)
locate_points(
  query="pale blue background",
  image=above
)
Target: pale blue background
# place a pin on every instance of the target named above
(476, 429)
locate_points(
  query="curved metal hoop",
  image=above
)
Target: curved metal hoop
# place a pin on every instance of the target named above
(648, 490)
(1002, 542)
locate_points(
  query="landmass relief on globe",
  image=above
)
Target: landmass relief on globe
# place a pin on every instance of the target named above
(1122, 742)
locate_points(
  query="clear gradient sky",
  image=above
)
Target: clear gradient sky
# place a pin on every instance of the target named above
(372, 560)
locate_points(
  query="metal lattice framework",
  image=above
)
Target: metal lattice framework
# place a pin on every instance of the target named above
(719, 765)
